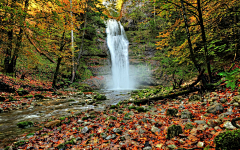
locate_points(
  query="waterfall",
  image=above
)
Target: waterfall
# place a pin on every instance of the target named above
(118, 46)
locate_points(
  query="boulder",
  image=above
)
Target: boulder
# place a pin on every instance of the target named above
(174, 130)
(228, 125)
(215, 108)
(236, 98)
(171, 112)
(186, 114)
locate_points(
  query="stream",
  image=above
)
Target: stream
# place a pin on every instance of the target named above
(47, 109)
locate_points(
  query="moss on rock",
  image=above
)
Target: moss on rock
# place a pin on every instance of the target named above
(174, 130)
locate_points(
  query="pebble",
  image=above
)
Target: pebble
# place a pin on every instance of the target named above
(84, 130)
(147, 148)
(228, 125)
(200, 121)
(117, 130)
(200, 144)
(155, 129)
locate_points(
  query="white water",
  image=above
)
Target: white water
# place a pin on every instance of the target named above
(118, 46)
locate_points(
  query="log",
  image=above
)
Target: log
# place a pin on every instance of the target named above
(170, 95)
(195, 82)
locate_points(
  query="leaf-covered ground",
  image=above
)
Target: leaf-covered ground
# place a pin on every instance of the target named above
(129, 127)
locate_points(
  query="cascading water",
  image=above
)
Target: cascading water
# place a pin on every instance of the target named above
(118, 46)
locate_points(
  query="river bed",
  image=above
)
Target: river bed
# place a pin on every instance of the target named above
(53, 108)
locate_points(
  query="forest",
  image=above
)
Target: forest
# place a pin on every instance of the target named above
(57, 69)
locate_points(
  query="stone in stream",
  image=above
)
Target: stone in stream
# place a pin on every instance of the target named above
(25, 124)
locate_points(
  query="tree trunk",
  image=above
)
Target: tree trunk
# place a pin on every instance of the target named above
(9, 49)
(189, 40)
(81, 48)
(204, 41)
(12, 66)
(58, 62)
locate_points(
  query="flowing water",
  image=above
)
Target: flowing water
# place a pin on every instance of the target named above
(118, 46)
(47, 109)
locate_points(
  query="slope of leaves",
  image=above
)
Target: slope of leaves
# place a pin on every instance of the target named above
(88, 130)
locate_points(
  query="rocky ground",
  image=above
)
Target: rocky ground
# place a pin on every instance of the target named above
(189, 121)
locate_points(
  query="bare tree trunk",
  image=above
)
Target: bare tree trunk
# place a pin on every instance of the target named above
(189, 40)
(72, 46)
(58, 61)
(9, 49)
(81, 48)
(204, 41)
(19, 41)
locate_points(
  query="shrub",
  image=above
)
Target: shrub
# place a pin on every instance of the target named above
(228, 140)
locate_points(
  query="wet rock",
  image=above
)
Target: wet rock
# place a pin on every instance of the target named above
(181, 107)
(200, 121)
(213, 99)
(217, 128)
(188, 126)
(80, 121)
(85, 130)
(214, 122)
(200, 144)
(159, 145)
(228, 125)
(103, 135)
(25, 124)
(195, 98)
(174, 130)
(52, 124)
(22, 92)
(147, 148)
(141, 131)
(100, 97)
(223, 100)
(235, 104)
(38, 96)
(113, 136)
(117, 130)
(215, 108)
(186, 114)
(155, 129)
(171, 112)
(236, 98)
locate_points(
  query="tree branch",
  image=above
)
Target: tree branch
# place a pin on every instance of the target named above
(38, 50)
